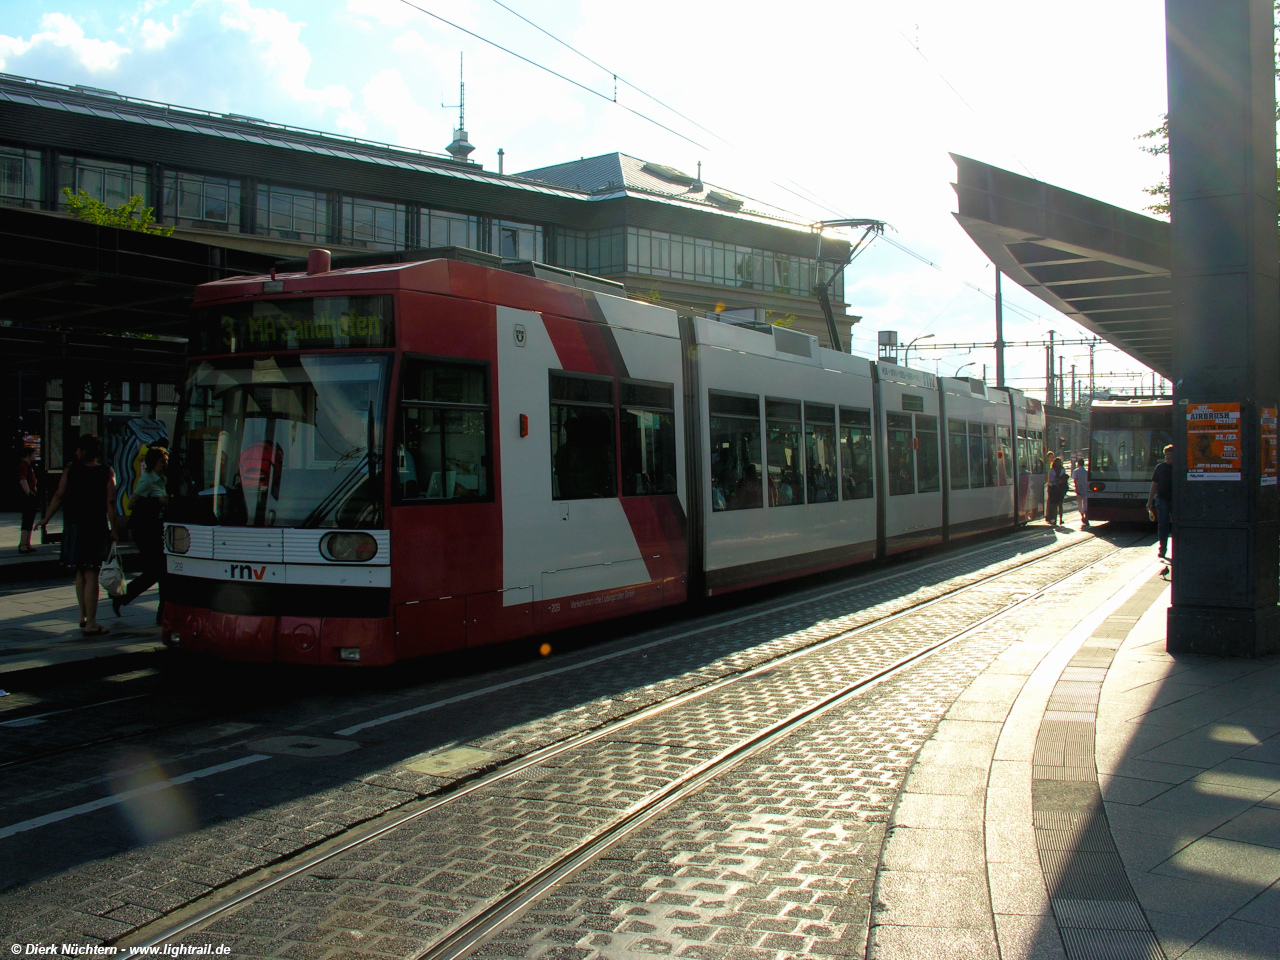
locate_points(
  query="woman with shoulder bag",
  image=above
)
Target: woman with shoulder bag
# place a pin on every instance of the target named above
(87, 493)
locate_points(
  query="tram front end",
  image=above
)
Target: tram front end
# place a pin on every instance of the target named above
(276, 542)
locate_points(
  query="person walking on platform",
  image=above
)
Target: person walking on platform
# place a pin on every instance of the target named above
(1080, 477)
(1160, 500)
(1057, 490)
(88, 492)
(29, 491)
(148, 503)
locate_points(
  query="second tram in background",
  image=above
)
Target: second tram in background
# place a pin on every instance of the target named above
(405, 458)
(1127, 438)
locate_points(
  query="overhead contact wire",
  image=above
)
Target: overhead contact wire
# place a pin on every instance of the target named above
(554, 73)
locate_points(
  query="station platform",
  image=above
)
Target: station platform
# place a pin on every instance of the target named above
(38, 612)
(998, 760)
(1091, 795)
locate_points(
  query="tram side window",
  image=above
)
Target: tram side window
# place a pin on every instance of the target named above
(1004, 462)
(958, 454)
(989, 452)
(820, 452)
(582, 431)
(977, 462)
(1039, 452)
(1024, 453)
(928, 462)
(735, 452)
(442, 441)
(856, 481)
(648, 438)
(902, 460)
(786, 473)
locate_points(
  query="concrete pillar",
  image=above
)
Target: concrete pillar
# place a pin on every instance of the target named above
(1226, 332)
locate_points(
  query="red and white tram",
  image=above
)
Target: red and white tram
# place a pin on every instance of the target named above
(394, 460)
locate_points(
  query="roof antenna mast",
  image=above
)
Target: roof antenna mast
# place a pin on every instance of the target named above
(460, 149)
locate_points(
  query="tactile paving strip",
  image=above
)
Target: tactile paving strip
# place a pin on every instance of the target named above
(1094, 903)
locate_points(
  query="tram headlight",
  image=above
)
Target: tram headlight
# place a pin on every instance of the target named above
(348, 547)
(177, 539)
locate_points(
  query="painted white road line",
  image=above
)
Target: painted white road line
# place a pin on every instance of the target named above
(114, 799)
(27, 721)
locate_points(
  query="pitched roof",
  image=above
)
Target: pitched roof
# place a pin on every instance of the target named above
(615, 174)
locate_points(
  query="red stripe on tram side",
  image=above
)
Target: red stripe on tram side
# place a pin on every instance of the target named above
(660, 529)
(568, 338)
(585, 347)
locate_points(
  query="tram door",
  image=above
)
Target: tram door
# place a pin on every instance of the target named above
(445, 519)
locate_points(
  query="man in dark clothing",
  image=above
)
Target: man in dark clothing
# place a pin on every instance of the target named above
(1161, 498)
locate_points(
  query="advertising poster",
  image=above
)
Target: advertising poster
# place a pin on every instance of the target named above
(130, 438)
(1213, 441)
(1267, 445)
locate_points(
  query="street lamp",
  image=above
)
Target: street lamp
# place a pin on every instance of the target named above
(906, 354)
(962, 366)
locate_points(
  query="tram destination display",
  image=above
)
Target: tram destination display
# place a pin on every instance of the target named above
(305, 323)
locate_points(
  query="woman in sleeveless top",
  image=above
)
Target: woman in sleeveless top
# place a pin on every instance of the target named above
(87, 494)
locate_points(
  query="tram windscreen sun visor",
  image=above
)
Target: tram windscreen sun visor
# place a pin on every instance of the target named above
(305, 323)
(283, 441)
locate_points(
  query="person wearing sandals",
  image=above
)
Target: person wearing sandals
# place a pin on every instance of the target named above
(87, 493)
(29, 487)
(148, 504)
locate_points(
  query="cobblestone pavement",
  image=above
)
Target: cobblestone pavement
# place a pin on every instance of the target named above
(760, 862)
(102, 876)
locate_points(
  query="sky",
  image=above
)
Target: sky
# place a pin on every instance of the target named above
(847, 108)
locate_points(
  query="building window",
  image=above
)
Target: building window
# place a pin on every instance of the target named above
(20, 178)
(206, 203)
(648, 438)
(290, 214)
(439, 228)
(582, 433)
(373, 224)
(660, 254)
(856, 481)
(569, 249)
(783, 443)
(109, 182)
(735, 452)
(442, 435)
(517, 241)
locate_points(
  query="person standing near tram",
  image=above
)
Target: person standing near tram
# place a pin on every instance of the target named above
(1160, 500)
(1080, 477)
(29, 488)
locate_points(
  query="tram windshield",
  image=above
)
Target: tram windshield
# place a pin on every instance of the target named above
(283, 441)
(1127, 453)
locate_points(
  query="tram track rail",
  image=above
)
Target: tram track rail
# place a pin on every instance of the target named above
(806, 597)
(475, 929)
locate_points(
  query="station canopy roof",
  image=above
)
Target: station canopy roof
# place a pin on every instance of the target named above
(1105, 267)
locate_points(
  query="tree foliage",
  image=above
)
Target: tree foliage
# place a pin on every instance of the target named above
(1160, 138)
(130, 215)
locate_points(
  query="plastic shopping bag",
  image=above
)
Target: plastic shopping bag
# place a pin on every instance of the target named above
(111, 577)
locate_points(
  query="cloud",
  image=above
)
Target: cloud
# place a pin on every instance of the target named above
(60, 32)
(155, 35)
(283, 50)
